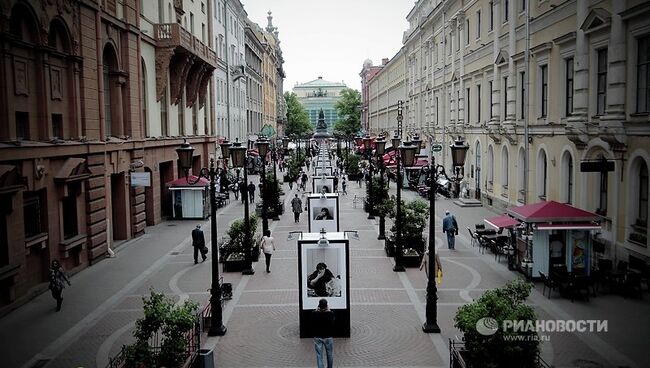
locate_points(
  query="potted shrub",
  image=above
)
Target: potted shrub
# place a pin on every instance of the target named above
(377, 194)
(487, 344)
(414, 219)
(384, 208)
(163, 322)
(237, 244)
(352, 167)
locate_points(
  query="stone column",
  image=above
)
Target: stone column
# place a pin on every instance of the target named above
(511, 92)
(612, 123)
(577, 121)
(461, 70)
(496, 81)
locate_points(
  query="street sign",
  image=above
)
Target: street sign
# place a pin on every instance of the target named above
(597, 166)
(436, 147)
(141, 179)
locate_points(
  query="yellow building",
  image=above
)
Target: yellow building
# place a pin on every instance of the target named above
(536, 88)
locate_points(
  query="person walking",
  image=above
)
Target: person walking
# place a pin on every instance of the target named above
(322, 323)
(336, 183)
(304, 179)
(251, 191)
(296, 207)
(268, 246)
(198, 242)
(243, 191)
(425, 264)
(58, 278)
(344, 185)
(450, 226)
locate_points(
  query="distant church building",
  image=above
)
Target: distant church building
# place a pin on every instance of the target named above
(320, 94)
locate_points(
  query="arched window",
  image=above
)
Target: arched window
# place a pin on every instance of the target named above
(642, 216)
(112, 94)
(23, 24)
(542, 174)
(504, 167)
(490, 173)
(567, 178)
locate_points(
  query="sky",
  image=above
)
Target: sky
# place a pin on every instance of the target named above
(332, 38)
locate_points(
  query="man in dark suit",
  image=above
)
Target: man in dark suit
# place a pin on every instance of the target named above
(198, 242)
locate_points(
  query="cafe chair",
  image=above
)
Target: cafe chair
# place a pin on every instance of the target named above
(632, 285)
(473, 236)
(548, 283)
(578, 283)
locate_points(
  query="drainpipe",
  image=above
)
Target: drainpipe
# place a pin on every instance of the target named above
(225, 27)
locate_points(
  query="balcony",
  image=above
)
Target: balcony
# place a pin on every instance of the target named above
(190, 63)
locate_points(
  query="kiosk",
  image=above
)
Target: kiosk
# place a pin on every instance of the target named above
(190, 201)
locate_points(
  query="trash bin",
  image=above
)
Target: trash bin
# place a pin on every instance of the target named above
(205, 359)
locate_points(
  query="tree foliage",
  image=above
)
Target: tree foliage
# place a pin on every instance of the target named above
(413, 220)
(348, 108)
(297, 117)
(501, 349)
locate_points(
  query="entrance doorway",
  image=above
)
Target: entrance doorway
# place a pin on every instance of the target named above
(149, 201)
(477, 183)
(166, 170)
(118, 204)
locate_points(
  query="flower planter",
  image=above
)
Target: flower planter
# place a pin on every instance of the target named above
(235, 262)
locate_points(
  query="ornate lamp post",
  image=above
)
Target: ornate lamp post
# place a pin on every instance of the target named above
(274, 156)
(407, 157)
(367, 151)
(185, 152)
(380, 148)
(263, 149)
(433, 172)
(238, 155)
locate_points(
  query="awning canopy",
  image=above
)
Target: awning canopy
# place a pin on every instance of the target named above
(73, 169)
(185, 183)
(503, 221)
(572, 226)
(551, 211)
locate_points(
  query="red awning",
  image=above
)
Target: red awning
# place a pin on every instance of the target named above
(573, 226)
(182, 182)
(501, 221)
(551, 211)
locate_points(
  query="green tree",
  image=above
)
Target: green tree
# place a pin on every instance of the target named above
(348, 108)
(297, 117)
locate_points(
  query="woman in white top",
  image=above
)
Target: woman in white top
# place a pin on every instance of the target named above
(268, 246)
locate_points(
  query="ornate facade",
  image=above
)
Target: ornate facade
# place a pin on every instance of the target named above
(536, 88)
(91, 94)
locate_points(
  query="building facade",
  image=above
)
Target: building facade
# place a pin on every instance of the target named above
(367, 72)
(254, 95)
(384, 89)
(536, 88)
(90, 96)
(320, 94)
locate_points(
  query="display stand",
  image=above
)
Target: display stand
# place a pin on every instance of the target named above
(323, 212)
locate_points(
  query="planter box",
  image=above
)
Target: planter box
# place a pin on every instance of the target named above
(233, 266)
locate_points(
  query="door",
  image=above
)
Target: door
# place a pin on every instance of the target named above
(477, 184)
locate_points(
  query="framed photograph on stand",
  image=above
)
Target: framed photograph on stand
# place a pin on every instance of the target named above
(320, 183)
(323, 212)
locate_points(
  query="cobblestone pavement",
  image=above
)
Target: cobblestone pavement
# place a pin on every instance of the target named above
(387, 308)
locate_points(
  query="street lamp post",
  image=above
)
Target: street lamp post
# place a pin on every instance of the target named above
(380, 148)
(238, 155)
(185, 152)
(433, 172)
(263, 149)
(405, 152)
(367, 151)
(274, 156)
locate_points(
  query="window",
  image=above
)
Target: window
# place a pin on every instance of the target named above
(203, 32)
(542, 174)
(478, 103)
(504, 167)
(570, 180)
(468, 105)
(467, 32)
(437, 111)
(642, 218)
(643, 75)
(478, 24)
(504, 98)
(108, 116)
(523, 5)
(601, 88)
(568, 100)
(491, 100)
(603, 193)
(203, 7)
(491, 15)
(506, 8)
(57, 126)
(164, 121)
(22, 125)
(544, 96)
(143, 82)
(35, 216)
(195, 119)
(70, 228)
(192, 23)
(522, 97)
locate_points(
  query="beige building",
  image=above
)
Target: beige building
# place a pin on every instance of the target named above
(536, 88)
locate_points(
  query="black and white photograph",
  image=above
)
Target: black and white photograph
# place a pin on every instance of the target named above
(323, 184)
(324, 275)
(322, 170)
(323, 213)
